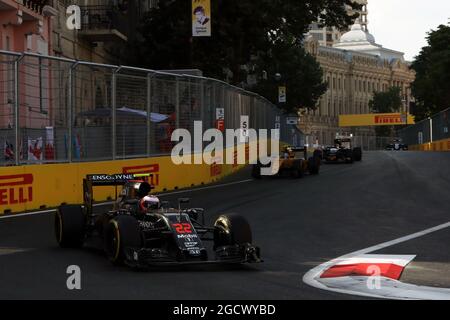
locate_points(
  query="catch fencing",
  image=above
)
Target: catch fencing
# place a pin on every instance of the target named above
(54, 110)
(433, 129)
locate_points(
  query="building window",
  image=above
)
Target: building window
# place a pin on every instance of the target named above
(317, 36)
(29, 42)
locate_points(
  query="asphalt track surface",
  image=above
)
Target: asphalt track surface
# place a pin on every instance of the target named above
(298, 224)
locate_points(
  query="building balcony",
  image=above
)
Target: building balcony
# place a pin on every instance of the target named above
(103, 24)
(29, 7)
(25, 16)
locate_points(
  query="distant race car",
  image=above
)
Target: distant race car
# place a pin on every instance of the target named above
(294, 162)
(397, 145)
(342, 151)
(141, 231)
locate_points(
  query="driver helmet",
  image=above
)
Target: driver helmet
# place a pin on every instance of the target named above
(149, 202)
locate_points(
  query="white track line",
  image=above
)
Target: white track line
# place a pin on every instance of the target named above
(110, 202)
(312, 277)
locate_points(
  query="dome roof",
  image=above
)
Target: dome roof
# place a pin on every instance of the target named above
(357, 34)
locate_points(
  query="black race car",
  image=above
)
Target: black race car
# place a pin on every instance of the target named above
(141, 231)
(397, 145)
(342, 151)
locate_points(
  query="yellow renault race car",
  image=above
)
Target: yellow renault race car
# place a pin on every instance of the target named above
(293, 162)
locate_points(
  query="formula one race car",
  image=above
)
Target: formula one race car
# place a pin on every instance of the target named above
(293, 162)
(397, 145)
(342, 151)
(142, 231)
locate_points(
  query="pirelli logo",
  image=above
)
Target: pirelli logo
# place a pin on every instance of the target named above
(16, 189)
(145, 169)
(389, 119)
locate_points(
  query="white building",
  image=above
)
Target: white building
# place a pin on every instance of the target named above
(327, 36)
(355, 67)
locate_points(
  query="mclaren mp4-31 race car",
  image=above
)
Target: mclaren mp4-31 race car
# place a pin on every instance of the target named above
(141, 231)
(293, 162)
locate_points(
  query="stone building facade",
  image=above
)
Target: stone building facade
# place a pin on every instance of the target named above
(106, 26)
(354, 68)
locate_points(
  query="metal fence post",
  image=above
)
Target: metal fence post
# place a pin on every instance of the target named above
(431, 130)
(202, 100)
(70, 108)
(177, 103)
(149, 113)
(114, 113)
(16, 109)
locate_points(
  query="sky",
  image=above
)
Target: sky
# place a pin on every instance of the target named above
(403, 24)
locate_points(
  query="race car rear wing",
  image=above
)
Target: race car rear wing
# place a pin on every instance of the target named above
(299, 149)
(106, 180)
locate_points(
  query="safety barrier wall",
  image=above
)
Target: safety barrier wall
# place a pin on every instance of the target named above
(32, 187)
(437, 146)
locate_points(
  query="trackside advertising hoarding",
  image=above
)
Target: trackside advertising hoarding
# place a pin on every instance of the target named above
(375, 119)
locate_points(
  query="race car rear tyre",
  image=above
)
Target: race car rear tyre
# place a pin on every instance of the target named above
(121, 232)
(357, 154)
(256, 171)
(297, 170)
(231, 229)
(314, 165)
(70, 226)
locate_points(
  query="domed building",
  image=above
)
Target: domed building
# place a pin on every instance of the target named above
(355, 67)
(363, 41)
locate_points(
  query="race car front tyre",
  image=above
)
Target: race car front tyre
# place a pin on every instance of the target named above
(256, 171)
(70, 226)
(318, 154)
(231, 229)
(121, 232)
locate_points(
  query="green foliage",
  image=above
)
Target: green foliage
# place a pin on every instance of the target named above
(300, 73)
(241, 31)
(432, 85)
(386, 102)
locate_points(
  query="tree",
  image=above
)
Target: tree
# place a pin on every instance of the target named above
(386, 102)
(241, 30)
(300, 73)
(431, 87)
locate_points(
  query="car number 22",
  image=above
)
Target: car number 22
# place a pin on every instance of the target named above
(182, 228)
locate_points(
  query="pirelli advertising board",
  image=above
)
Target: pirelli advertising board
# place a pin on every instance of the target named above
(376, 119)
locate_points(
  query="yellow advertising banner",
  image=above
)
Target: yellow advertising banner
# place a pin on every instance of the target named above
(201, 18)
(376, 119)
(31, 187)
